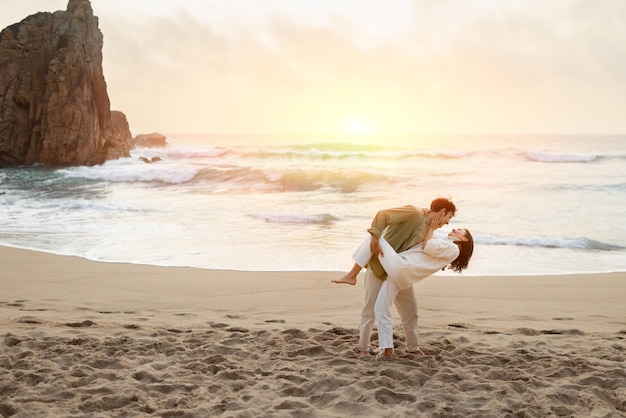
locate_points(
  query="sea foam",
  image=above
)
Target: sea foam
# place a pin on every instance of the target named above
(548, 157)
(571, 243)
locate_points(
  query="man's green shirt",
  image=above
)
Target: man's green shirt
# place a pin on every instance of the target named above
(401, 227)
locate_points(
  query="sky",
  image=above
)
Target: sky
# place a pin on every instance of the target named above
(361, 66)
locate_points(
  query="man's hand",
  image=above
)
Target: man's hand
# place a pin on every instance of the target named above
(375, 247)
(438, 220)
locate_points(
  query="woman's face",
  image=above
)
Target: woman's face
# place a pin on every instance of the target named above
(458, 234)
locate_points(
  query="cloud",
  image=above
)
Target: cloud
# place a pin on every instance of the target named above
(278, 72)
(553, 66)
(429, 65)
(522, 66)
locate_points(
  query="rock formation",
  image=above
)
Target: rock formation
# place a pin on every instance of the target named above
(54, 106)
(149, 140)
(121, 128)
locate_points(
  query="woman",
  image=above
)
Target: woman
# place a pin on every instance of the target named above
(409, 267)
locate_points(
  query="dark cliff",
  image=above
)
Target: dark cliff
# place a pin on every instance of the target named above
(54, 106)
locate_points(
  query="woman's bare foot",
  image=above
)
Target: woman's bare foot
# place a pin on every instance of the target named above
(347, 279)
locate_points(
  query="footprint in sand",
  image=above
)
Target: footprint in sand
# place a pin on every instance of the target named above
(84, 324)
(275, 321)
(29, 320)
(388, 397)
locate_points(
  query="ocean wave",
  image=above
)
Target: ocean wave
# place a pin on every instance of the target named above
(224, 176)
(251, 179)
(322, 219)
(127, 170)
(613, 187)
(342, 151)
(229, 178)
(340, 147)
(301, 180)
(97, 207)
(352, 152)
(581, 243)
(365, 154)
(185, 152)
(549, 157)
(314, 154)
(441, 154)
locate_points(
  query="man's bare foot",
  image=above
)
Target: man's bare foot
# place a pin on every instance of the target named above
(347, 279)
(384, 354)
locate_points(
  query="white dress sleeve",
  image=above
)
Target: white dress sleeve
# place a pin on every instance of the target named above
(442, 248)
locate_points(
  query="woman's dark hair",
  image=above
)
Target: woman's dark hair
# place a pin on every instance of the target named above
(467, 249)
(442, 203)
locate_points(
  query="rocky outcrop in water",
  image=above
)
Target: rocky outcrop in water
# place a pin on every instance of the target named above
(149, 140)
(54, 106)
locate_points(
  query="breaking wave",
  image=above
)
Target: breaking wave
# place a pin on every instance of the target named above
(322, 219)
(549, 157)
(581, 243)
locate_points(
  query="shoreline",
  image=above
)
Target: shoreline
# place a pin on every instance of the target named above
(306, 297)
(444, 274)
(88, 337)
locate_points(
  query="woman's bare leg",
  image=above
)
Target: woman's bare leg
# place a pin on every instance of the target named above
(350, 277)
(361, 257)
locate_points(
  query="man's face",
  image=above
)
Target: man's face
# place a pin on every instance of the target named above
(448, 216)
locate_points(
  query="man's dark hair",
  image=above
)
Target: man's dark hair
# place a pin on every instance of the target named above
(442, 203)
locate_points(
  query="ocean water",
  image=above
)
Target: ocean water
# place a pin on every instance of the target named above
(535, 204)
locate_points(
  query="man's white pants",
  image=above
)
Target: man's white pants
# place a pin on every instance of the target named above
(405, 302)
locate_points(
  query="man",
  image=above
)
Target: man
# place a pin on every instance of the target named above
(402, 228)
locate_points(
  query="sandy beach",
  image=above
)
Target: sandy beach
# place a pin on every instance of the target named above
(84, 338)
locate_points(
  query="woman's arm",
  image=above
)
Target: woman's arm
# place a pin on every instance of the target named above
(428, 236)
(435, 223)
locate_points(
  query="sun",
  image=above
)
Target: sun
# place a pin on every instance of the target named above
(356, 127)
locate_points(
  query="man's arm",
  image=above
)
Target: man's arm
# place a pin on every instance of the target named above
(387, 217)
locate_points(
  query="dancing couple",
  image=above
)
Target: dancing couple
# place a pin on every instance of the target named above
(401, 250)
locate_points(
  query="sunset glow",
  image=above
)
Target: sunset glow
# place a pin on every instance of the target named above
(360, 67)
